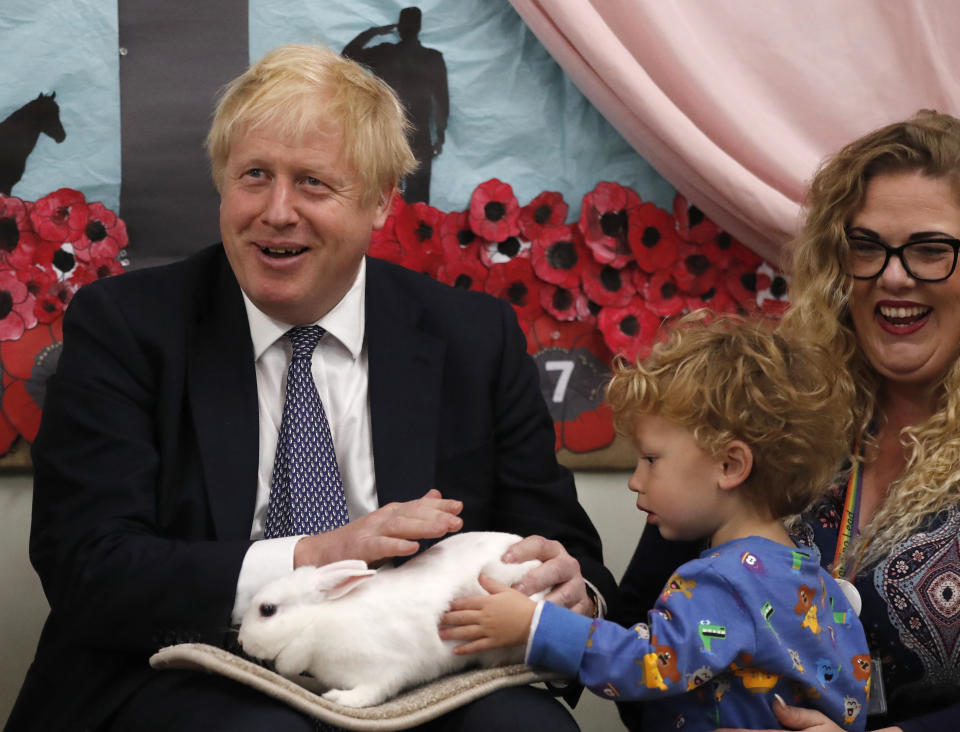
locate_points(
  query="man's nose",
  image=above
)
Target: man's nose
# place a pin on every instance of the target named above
(280, 209)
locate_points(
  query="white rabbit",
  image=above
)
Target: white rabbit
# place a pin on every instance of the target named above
(367, 635)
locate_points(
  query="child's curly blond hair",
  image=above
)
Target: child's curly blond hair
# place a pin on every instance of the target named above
(724, 378)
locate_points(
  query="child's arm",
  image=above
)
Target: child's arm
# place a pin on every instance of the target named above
(497, 620)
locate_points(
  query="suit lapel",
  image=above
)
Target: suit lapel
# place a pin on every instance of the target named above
(406, 372)
(223, 400)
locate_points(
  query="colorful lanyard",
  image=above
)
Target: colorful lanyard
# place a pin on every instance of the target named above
(851, 508)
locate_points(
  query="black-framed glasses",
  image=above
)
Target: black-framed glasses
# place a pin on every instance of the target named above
(926, 260)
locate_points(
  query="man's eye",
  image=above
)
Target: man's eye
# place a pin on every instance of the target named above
(254, 173)
(311, 181)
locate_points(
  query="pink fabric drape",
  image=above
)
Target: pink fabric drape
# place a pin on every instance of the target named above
(736, 102)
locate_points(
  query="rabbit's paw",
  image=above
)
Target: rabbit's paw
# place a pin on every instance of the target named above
(364, 695)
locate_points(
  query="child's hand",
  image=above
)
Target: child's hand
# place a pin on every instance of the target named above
(497, 620)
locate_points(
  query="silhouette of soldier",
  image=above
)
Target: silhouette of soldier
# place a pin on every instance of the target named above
(419, 77)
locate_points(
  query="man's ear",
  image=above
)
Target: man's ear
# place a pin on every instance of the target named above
(383, 207)
(736, 464)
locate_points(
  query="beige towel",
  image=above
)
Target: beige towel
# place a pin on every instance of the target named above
(412, 707)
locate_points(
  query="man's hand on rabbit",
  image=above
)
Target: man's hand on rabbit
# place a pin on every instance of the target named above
(392, 530)
(559, 571)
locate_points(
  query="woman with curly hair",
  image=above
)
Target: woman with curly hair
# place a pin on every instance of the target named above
(875, 281)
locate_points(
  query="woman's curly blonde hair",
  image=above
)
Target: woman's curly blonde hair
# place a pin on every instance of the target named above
(724, 378)
(928, 143)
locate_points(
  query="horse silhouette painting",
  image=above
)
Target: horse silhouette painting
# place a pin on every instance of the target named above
(19, 133)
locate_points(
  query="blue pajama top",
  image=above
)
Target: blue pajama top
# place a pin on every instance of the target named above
(747, 619)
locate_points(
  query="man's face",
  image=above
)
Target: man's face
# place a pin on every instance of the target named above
(292, 223)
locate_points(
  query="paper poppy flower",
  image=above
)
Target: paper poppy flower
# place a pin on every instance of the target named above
(515, 282)
(558, 255)
(417, 226)
(384, 243)
(629, 331)
(693, 271)
(30, 361)
(604, 222)
(95, 269)
(457, 239)
(38, 280)
(463, 272)
(773, 300)
(662, 295)
(606, 285)
(653, 238)
(547, 209)
(744, 283)
(499, 252)
(574, 369)
(565, 303)
(17, 239)
(494, 211)
(16, 307)
(60, 216)
(692, 223)
(104, 234)
(716, 299)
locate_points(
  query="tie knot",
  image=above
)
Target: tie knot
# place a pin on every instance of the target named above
(304, 339)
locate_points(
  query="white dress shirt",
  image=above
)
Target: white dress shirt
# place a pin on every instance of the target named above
(339, 366)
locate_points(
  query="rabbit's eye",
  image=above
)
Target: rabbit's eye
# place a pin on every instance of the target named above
(266, 609)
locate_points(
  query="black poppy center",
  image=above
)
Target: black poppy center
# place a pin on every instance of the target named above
(629, 326)
(562, 299)
(494, 211)
(509, 247)
(749, 281)
(594, 308)
(778, 288)
(6, 303)
(697, 264)
(60, 215)
(668, 290)
(694, 216)
(465, 237)
(517, 293)
(9, 234)
(424, 231)
(63, 260)
(610, 278)
(651, 237)
(542, 214)
(724, 241)
(463, 281)
(96, 231)
(48, 306)
(613, 223)
(562, 255)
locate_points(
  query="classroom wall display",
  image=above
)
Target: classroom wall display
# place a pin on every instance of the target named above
(524, 190)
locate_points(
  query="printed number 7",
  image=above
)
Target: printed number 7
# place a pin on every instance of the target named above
(566, 371)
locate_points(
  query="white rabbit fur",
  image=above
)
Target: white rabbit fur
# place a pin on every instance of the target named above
(367, 635)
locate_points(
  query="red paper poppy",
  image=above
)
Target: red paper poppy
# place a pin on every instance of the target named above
(716, 299)
(773, 300)
(104, 234)
(662, 295)
(500, 252)
(630, 331)
(558, 255)
(606, 285)
(515, 282)
(547, 209)
(16, 307)
(653, 238)
(692, 223)
(17, 239)
(384, 243)
(574, 369)
(744, 283)
(605, 221)
(60, 216)
(418, 227)
(494, 211)
(96, 269)
(457, 239)
(565, 303)
(464, 272)
(693, 271)
(420, 260)
(39, 281)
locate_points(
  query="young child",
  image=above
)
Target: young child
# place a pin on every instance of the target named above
(735, 429)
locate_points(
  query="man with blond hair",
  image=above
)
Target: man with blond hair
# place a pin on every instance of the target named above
(167, 488)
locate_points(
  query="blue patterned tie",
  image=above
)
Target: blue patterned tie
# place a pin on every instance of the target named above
(306, 494)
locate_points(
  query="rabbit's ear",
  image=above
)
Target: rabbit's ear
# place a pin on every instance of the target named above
(337, 579)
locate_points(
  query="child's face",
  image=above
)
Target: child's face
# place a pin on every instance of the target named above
(676, 481)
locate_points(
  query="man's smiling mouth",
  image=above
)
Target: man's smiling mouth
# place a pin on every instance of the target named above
(281, 252)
